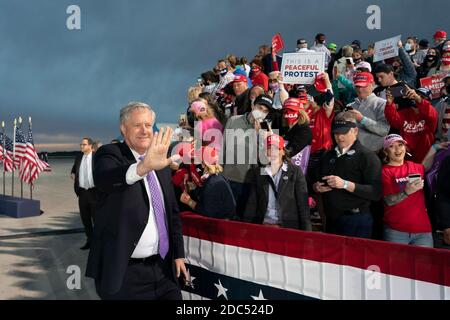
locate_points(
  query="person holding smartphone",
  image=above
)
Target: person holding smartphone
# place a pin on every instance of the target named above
(417, 123)
(405, 215)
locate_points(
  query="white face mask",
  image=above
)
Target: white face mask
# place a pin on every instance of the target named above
(259, 115)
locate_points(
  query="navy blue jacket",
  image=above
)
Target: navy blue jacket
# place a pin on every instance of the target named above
(215, 198)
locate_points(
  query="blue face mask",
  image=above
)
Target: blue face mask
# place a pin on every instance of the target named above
(408, 47)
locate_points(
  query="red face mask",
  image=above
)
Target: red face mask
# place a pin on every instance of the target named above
(446, 61)
(256, 70)
(291, 117)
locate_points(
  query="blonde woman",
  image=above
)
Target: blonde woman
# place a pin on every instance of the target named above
(214, 198)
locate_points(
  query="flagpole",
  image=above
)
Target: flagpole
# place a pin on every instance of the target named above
(31, 185)
(4, 157)
(21, 182)
(13, 156)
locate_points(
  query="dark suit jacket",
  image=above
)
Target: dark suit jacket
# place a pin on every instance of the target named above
(292, 199)
(122, 215)
(76, 170)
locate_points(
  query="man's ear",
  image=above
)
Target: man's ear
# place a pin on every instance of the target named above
(122, 130)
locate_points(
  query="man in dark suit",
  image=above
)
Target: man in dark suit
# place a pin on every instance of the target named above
(137, 250)
(84, 187)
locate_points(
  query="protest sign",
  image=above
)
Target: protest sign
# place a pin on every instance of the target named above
(302, 67)
(277, 43)
(434, 83)
(386, 49)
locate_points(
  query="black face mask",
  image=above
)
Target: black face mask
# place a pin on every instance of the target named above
(223, 72)
(430, 58)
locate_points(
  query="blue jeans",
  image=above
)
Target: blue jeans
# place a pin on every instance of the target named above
(416, 239)
(354, 225)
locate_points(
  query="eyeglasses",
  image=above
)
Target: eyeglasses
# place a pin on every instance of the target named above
(83, 144)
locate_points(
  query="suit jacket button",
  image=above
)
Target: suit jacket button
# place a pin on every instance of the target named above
(135, 244)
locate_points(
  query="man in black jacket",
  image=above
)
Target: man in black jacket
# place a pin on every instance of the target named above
(443, 188)
(137, 250)
(349, 178)
(84, 187)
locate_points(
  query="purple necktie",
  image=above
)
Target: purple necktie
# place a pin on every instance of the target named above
(158, 210)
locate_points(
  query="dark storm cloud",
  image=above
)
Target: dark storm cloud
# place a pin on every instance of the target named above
(74, 82)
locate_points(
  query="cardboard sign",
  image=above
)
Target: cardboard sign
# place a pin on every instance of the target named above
(302, 67)
(386, 49)
(277, 43)
(434, 83)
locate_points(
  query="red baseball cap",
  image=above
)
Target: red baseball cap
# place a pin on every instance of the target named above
(239, 78)
(440, 34)
(185, 150)
(275, 140)
(294, 104)
(208, 155)
(320, 83)
(363, 79)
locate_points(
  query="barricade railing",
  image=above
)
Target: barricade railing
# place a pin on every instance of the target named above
(234, 260)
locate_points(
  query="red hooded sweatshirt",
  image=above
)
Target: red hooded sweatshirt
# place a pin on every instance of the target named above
(417, 128)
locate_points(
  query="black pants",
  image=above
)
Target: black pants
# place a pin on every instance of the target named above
(149, 280)
(87, 203)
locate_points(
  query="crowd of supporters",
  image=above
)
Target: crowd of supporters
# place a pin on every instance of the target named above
(362, 152)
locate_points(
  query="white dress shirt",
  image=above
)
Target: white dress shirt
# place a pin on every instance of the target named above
(85, 178)
(148, 243)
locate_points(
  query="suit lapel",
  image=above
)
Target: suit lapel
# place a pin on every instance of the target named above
(129, 158)
(284, 180)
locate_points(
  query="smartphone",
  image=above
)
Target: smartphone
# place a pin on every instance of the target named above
(265, 125)
(325, 182)
(348, 108)
(398, 91)
(184, 283)
(414, 177)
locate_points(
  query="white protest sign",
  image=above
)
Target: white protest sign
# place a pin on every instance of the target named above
(302, 67)
(386, 49)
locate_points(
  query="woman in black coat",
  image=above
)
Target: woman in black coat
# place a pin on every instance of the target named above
(214, 198)
(279, 195)
(297, 133)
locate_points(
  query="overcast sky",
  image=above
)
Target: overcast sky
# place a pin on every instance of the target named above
(73, 82)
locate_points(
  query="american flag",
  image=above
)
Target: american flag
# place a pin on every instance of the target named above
(31, 165)
(20, 147)
(7, 152)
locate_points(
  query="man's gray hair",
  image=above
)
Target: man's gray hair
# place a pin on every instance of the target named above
(130, 107)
